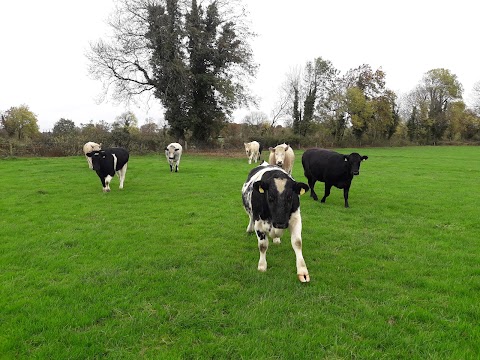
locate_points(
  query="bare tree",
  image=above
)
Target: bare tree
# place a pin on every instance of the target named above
(476, 98)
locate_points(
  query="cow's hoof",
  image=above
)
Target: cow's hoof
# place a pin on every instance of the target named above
(304, 278)
(262, 268)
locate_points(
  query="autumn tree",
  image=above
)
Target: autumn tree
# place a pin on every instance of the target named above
(124, 128)
(98, 132)
(194, 58)
(438, 90)
(20, 123)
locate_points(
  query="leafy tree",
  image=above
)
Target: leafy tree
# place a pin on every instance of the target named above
(64, 127)
(98, 132)
(371, 83)
(360, 111)
(319, 77)
(194, 58)
(20, 123)
(297, 115)
(124, 128)
(437, 91)
(413, 124)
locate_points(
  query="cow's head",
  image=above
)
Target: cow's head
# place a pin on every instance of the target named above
(171, 151)
(353, 162)
(247, 148)
(98, 157)
(281, 195)
(279, 152)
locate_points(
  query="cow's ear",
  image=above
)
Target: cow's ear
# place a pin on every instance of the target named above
(90, 154)
(300, 188)
(260, 187)
(286, 147)
(364, 157)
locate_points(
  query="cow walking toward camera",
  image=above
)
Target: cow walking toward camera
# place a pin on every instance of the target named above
(253, 150)
(173, 153)
(109, 162)
(282, 155)
(332, 168)
(271, 198)
(89, 147)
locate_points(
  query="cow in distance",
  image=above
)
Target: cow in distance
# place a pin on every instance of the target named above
(271, 198)
(109, 162)
(331, 168)
(173, 153)
(253, 150)
(89, 147)
(283, 156)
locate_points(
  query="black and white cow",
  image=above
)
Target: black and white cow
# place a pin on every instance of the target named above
(332, 168)
(107, 162)
(271, 199)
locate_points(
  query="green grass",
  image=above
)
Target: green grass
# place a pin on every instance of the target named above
(164, 269)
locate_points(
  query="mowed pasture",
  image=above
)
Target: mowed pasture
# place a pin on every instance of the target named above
(164, 268)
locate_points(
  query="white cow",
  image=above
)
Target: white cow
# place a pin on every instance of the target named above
(282, 155)
(173, 153)
(253, 150)
(88, 148)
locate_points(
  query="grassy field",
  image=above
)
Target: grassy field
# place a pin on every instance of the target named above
(164, 269)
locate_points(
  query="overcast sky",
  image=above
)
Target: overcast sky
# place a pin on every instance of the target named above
(43, 45)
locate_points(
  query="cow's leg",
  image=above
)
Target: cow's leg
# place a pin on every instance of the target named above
(327, 192)
(121, 175)
(262, 247)
(251, 224)
(311, 184)
(106, 183)
(89, 161)
(171, 167)
(295, 227)
(346, 189)
(177, 166)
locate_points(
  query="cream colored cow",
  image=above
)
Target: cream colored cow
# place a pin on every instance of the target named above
(88, 148)
(282, 155)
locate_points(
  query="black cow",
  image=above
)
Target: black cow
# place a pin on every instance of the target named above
(271, 199)
(332, 168)
(107, 162)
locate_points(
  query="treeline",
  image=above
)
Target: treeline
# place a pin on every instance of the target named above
(20, 136)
